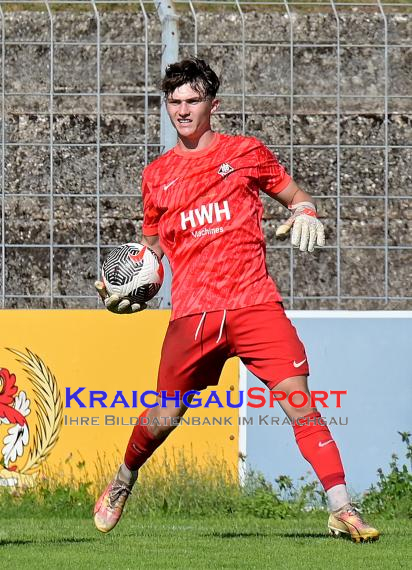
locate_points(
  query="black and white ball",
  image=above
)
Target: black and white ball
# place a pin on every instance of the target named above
(134, 271)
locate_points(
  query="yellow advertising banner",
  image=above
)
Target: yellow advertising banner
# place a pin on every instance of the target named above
(71, 384)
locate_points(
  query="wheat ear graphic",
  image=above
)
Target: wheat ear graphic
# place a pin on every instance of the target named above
(49, 408)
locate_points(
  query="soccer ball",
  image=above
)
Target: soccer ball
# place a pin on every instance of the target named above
(134, 271)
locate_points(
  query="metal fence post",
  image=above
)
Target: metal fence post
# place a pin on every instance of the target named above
(98, 120)
(338, 156)
(3, 158)
(168, 138)
(386, 151)
(170, 53)
(51, 141)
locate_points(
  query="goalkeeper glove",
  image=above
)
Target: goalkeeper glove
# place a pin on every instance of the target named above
(307, 229)
(116, 304)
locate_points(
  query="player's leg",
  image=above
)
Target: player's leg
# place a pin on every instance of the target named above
(318, 447)
(191, 360)
(269, 346)
(314, 438)
(155, 424)
(153, 427)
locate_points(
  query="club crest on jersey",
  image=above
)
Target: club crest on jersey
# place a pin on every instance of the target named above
(225, 169)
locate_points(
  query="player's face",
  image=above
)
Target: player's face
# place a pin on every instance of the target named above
(190, 112)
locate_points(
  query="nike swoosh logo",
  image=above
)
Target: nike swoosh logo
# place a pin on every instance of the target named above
(323, 443)
(139, 256)
(166, 186)
(299, 364)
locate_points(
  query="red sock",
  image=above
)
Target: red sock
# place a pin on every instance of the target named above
(141, 445)
(319, 448)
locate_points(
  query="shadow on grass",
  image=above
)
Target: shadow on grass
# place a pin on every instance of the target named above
(301, 535)
(267, 534)
(237, 534)
(57, 541)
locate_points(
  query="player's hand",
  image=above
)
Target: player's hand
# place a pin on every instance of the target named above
(307, 229)
(116, 304)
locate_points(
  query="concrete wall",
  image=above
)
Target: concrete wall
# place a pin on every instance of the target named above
(267, 71)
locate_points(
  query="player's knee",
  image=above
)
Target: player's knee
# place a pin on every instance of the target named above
(297, 413)
(297, 404)
(162, 426)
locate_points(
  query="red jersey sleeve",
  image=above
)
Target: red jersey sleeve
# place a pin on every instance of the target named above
(273, 177)
(151, 214)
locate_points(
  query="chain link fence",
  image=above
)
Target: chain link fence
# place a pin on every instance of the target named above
(326, 85)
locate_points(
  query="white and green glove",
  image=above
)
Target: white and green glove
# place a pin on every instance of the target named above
(307, 229)
(116, 304)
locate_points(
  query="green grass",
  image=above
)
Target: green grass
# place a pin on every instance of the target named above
(197, 543)
(198, 517)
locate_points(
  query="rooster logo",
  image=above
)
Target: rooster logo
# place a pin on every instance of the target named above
(18, 434)
(15, 409)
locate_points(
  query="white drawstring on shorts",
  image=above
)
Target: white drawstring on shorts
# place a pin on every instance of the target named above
(202, 320)
(199, 326)
(221, 326)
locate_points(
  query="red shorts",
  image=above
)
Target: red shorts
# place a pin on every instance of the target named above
(196, 347)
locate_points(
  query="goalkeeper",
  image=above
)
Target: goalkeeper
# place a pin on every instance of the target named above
(203, 210)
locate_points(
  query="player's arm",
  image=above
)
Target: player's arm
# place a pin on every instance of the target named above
(293, 195)
(307, 229)
(154, 244)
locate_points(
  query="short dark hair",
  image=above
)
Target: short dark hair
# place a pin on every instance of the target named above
(194, 71)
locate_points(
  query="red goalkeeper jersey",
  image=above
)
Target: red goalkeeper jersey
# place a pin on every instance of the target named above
(206, 208)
